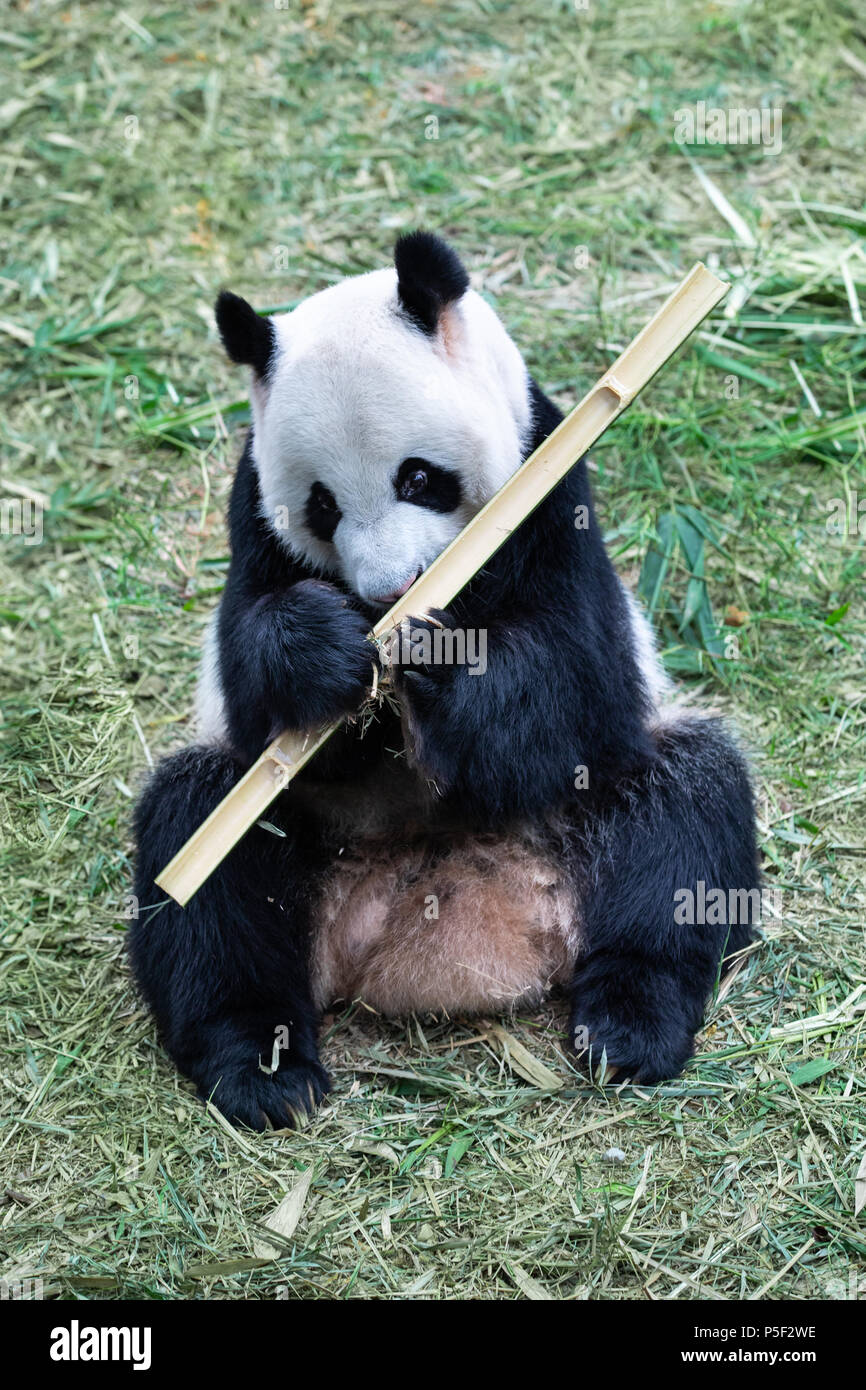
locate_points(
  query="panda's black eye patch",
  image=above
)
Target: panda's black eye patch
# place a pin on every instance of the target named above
(321, 512)
(426, 485)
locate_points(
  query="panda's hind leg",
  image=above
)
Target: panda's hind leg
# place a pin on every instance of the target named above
(675, 830)
(227, 977)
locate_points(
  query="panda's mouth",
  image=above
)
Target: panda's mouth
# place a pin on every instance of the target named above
(385, 600)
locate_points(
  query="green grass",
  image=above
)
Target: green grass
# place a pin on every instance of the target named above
(278, 151)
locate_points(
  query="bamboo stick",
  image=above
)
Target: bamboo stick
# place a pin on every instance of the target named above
(689, 304)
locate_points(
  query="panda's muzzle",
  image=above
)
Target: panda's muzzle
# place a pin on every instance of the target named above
(387, 599)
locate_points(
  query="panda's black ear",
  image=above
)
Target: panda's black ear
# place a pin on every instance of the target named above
(430, 276)
(247, 337)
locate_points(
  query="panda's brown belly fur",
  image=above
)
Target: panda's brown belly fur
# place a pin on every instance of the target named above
(444, 923)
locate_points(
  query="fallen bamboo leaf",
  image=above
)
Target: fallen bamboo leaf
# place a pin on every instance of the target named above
(762, 1292)
(284, 1220)
(219, 1269)
(812, 1071)
(521, 1060)
(376, 1147)
(530, 1287)
(860, 1187)
(456, 1150)
(841, 1017)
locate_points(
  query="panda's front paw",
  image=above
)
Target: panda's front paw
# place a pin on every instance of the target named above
(258, 1099)
(640, 1016)
(422, 655)
(328, 653)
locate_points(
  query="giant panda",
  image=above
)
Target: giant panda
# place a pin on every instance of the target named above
(490, 836)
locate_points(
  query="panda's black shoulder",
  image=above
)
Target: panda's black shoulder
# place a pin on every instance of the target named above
(246, 496)
(545, 415)
(256, 553)
(574, 489)
(558, 508)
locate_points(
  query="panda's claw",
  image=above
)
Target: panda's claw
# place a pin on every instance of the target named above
(644, 1026)
(283, 1100)
(412, 675)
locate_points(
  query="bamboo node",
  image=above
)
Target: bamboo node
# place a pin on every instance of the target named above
(613, 383)
(283, 767)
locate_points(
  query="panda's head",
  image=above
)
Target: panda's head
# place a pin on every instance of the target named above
(386, 410)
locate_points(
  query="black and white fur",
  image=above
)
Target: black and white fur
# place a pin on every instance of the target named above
(386, 411)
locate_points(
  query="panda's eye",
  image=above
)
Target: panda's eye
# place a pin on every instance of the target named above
(414, 484)
(322, 513)
(324, 498)
(425, 484)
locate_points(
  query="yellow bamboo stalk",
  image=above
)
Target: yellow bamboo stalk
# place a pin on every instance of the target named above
(689, 304)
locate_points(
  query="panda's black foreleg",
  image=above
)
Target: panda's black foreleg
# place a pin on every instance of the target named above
(678, 830)
(227, 977)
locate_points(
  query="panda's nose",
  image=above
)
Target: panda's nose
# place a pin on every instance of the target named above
(397, 593)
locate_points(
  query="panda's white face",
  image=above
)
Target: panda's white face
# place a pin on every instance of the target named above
(375, 441)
